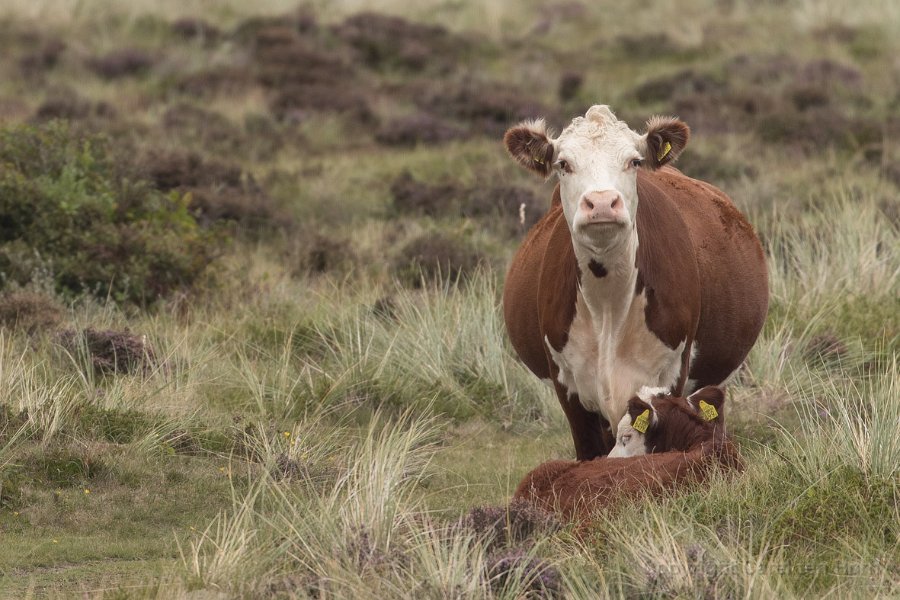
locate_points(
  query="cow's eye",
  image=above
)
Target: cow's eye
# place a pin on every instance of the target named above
(563, 165)
(626, 438)
(637, 162)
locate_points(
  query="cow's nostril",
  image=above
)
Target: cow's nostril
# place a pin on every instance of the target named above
(615, 203)
(589, 204)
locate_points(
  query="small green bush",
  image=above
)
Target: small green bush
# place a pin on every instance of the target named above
(63, 467)
(69, 211)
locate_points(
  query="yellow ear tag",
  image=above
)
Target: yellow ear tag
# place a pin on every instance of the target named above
(642, 422)
(708, 411)
(538, 159)
(664, 151)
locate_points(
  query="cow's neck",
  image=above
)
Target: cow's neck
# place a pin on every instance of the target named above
(608, 277)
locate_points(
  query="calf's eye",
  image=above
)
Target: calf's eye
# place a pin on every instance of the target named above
(636, 162)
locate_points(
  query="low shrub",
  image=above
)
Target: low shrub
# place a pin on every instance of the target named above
(65, 467)
(69, 212)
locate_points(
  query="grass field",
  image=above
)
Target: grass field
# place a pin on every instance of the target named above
(252, 260)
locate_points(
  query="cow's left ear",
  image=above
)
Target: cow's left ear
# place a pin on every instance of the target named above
(530, 144)
(666, 137)
(711, 395)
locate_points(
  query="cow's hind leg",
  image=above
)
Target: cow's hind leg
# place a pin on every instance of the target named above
(590, 432)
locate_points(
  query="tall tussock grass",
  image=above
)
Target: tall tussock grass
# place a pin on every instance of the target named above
(442, 347)
(364, 533)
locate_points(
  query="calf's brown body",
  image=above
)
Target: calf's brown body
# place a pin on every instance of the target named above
(683, 444)
(577, 489)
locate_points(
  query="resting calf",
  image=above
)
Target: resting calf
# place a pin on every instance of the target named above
(662, 441)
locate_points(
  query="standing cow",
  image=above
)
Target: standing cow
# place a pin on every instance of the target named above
(637, 276)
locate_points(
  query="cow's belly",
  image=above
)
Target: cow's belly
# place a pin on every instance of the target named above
(606, 364)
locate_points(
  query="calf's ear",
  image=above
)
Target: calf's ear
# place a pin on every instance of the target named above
(666, 137)
(641, 413)
(711, 395)
(530, 145)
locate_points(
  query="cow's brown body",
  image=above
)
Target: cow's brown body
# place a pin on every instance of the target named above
(699, 263)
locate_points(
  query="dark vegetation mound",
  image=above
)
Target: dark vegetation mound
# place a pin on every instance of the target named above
(541, 579)
(213, 81)
(110, 351)
(66, 212)
(215, 190)
(125, 62)
(383, 41)
(206, 127)
(801, 106)
(29, 311)
(510, 209)
(488, 107)
(418, 128)
(43, 58)
(508, 532)
(194, 29)
(302, 75)
(66, 103)
(503, 526)
(436, 256)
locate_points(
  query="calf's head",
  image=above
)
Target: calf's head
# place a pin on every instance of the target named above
(596, 159)
(663, 423)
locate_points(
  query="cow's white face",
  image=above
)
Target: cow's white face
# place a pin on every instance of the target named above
(596, 159)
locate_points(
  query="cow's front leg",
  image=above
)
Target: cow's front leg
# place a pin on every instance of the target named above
(590, 432)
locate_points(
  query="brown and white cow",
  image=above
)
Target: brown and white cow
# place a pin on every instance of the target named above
(637, 276)
(664, 441)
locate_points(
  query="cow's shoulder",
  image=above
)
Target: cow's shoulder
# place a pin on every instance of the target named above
(666, 261)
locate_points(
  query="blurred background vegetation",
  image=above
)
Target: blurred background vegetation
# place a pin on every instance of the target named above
(227, 227)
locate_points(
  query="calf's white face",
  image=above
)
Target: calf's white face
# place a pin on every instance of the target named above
(596, 159)
(629, 441)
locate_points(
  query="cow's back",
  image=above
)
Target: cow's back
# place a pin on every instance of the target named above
(732, 275)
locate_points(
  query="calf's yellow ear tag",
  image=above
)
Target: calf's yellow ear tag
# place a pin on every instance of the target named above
(642, 422)
(708, 411)
(664, 151)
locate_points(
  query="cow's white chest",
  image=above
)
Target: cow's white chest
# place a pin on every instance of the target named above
(607, 359)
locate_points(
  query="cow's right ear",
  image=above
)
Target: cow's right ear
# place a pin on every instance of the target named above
(530, 144)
